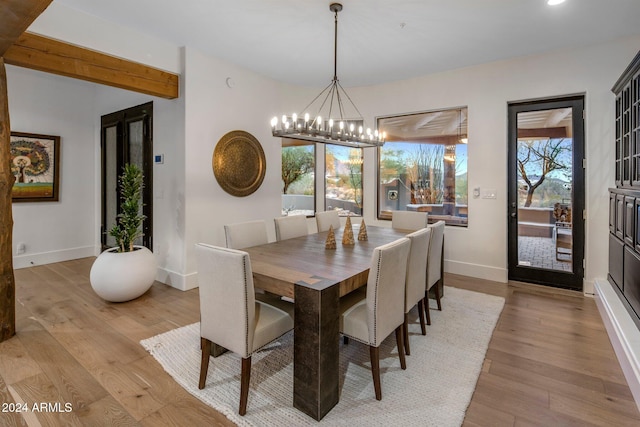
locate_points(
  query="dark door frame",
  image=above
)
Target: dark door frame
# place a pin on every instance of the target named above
(570, 280)
(121, 120)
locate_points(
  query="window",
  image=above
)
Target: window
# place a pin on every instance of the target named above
(343, 180)
(423, 165)
(298, 177)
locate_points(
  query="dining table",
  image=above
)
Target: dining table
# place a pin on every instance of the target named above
(315, 277)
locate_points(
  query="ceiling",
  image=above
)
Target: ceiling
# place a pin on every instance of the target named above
(420, 126)
(378, 40)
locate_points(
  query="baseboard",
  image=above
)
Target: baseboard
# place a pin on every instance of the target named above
(180, 281)
(495, 274)
(32, 259)
(623, 334)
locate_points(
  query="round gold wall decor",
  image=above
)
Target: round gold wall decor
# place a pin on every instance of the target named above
(239, 163)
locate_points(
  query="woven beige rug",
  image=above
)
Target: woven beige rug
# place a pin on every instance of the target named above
(434, 390)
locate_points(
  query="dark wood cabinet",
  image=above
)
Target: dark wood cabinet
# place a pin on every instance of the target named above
(624, 200)
(627, 126)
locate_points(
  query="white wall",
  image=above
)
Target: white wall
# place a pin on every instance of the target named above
(51, 105)
(211, 110)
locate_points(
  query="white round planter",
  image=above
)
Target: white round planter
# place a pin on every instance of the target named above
(123, 276)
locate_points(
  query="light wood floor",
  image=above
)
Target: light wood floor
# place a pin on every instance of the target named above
(549, 361)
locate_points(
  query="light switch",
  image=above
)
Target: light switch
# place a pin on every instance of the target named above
(490, 193)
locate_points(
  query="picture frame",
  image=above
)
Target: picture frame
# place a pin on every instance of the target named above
(35, 162)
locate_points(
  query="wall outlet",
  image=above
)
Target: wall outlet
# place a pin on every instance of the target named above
(21, 248)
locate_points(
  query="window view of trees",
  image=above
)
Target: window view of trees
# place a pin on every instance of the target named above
(544, 171)
(423, 165)
(298, 178)
(343, 179)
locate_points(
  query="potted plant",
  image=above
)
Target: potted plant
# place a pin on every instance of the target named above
(126, 271)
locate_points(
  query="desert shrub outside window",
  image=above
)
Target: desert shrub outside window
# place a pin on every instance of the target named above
(423, 165)
(298, 178)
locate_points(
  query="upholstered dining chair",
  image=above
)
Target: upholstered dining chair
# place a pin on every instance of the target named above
(242, 235)
(435, 268)
(229, 314)
(408, 220)
(326, 219)
(416, 280)
(288, 227)
(374, 318)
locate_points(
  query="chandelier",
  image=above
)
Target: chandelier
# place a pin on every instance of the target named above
(333, 127)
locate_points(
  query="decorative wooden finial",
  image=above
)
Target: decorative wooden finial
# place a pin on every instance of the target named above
(331, 239)
(362, 234)
(347, 236)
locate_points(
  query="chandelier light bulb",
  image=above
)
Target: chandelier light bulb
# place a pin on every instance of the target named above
(351, 127)
(306, 117)
(330, 124)
(274, 122)
(319, 122)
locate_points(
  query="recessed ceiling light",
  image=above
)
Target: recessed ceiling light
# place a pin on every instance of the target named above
(554, 2)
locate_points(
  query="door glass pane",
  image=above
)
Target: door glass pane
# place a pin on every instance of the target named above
(136, 139)
(545, 170)
(110, 182)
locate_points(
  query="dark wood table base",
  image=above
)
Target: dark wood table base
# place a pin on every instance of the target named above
(316, 347)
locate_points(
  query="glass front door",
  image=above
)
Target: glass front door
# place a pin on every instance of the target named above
(546, 192)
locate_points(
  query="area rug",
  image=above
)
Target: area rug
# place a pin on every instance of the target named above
(434, 390)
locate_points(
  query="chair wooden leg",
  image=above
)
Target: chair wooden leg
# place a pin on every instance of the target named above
(437, 290)
(399, 334)
(374, 352)
(405, 329)
(245, 376)
(421, 313)
(426, 307)
(205, 345)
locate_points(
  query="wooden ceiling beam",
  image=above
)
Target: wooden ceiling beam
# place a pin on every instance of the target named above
(52, 56)
(15, 18)
(557, 132)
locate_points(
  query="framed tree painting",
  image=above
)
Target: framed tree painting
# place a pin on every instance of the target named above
(35, 161)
